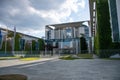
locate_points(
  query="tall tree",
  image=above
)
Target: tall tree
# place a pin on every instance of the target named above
(3, 46)
(8, 42)
(27, 46)
(33, 45)
(41, 44)
(17, 42)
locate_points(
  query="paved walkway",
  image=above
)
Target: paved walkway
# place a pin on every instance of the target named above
(56, 69)
(8, 63)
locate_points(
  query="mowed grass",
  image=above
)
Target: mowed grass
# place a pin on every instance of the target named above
(23, 59)
(68, 57)
(85, 56)
(7, 58)
(30, 58)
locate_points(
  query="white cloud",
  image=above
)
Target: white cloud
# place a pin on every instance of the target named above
(60, 14)
(39, 32)
(71, 20)
(33, 15)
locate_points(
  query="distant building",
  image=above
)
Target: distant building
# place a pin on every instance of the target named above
(114, 8)
(67, 36)
(23, 40)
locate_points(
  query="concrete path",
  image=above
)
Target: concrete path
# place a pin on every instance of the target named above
(14, 62)
(56, 69)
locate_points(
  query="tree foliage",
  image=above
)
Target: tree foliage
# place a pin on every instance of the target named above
(3, 46)
(103, 38)
(33, 45)
(116, 45)
(27, 46)
(41, 44)
(17, 42)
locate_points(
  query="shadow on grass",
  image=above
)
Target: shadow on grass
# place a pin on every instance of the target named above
(111, 58)
(68, 57)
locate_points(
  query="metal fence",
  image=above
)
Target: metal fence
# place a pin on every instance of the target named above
(57, 52)
(6, 54)
(27, 54)
(107, 52)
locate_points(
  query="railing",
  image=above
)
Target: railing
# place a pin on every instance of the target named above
(6, 54)
(27, 54)
(57, 52)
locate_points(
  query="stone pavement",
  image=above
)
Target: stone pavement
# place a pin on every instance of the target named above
(56, 69)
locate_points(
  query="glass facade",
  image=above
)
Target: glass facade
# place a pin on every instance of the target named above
(68, 33)
(66, 44)
(114, 20)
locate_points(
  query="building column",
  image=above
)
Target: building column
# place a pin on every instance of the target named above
(77, 46)
(74, 30)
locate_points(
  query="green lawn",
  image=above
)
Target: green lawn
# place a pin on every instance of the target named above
(6, 58)
(23, 59)
(68, 57)
(30, 59)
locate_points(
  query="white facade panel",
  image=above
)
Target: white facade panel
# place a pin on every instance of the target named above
(81, 31)
(52, 34)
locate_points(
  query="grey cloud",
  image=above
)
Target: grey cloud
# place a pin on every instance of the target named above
(6, 8)
(46, 4)
(23, 18)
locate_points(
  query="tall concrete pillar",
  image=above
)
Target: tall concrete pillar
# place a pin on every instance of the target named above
(77, 46)
(74, 32)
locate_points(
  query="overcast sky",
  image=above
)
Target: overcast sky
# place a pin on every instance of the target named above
(31, 16)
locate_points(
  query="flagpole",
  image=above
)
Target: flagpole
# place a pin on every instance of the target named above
(14, 40)
(6, 39)
(1, 40)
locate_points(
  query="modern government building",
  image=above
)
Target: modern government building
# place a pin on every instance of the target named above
(66, 35)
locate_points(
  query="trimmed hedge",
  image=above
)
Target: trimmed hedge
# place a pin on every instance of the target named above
(103, 38)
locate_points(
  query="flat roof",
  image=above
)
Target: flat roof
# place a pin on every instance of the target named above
(70, 24)
(19, 33)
